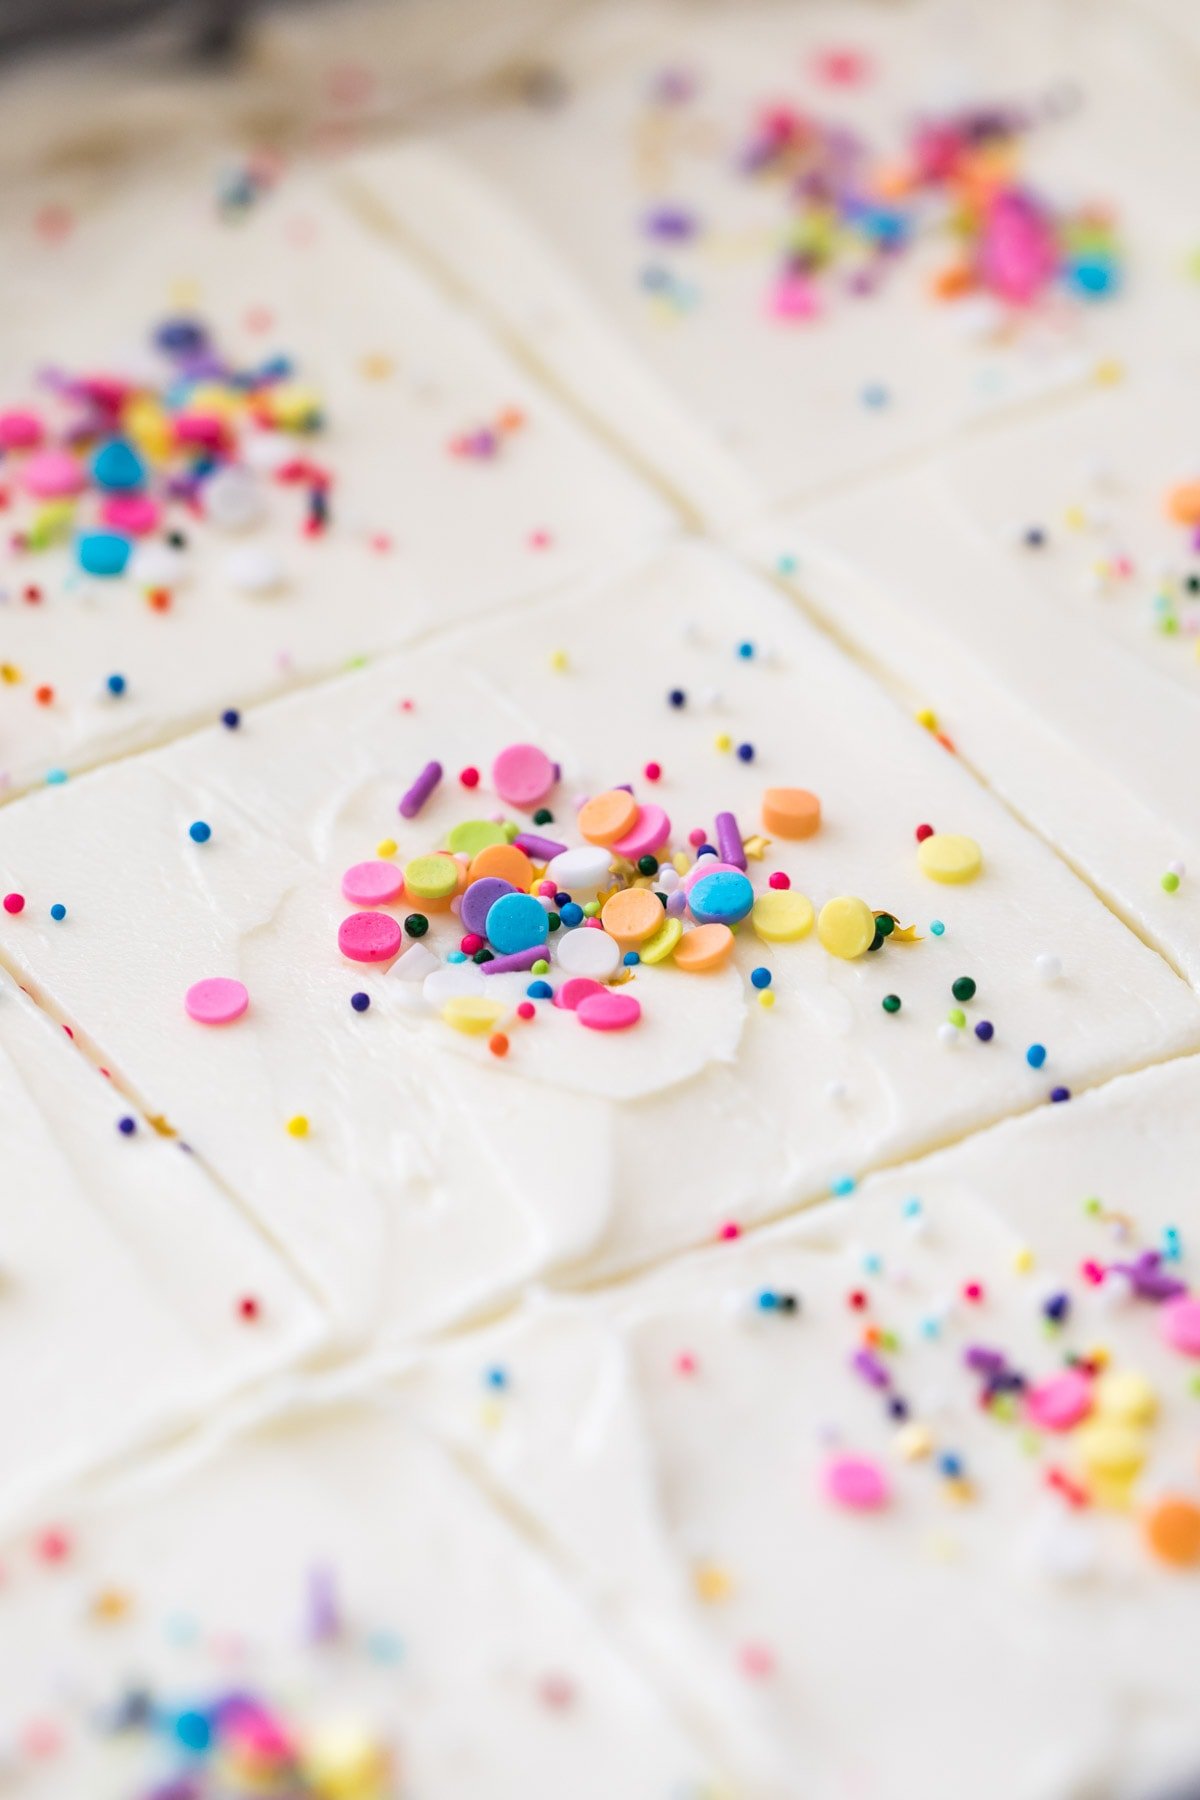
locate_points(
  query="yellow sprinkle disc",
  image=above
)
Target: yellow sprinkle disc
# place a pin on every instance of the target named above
(1125, 1397)
(431, 877)
(656, 949)
(472, 1013)
(343, 1762)
(846, 926)
(1111, 1452)
(780, 915)
(947, 856)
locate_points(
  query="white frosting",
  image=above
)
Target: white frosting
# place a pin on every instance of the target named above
(435, 1177)
(540, 210)
(1047, 667)
(122, 1266)
(401, 372)
(985, 1645)
(454, 1646)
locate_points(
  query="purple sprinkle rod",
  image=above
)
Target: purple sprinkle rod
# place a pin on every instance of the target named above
(519, 960)
(544, 848)
(420, 790)
(729, 841)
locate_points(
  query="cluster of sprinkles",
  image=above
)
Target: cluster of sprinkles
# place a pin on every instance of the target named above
(1081, 1419)
(123, 464)
(225, 1739)
(547, 905)
(853, 215)
(1085, 1420)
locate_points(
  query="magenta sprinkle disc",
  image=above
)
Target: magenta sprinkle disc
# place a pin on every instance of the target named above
(369, 937)
(651, 829)
(608, 1011)
(578, 988)
(1179, 1322)
(20, 430)
(217, 1001)
(523, 775)
(1059, 1402)
(856, 1483)
(136, 514)
(53, 475)
(372, 883)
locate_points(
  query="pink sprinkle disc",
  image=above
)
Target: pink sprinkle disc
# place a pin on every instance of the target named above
(369, 937)
(523, 775)
(217, 1001)
(20, 430)
(136, 514)
(707, 865)
(1059, 1403)
(650, 832)
(54, 475)
(372, 883)
(608, 1011)
(578, 988)
(1179, 1322)
(856, 1483)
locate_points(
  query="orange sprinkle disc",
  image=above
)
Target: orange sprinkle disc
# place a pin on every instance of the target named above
(707, 947)
(1183, 503)
(505, 862)
(607, 817)
(1172, 1530)
(632, 916)
(790, 812)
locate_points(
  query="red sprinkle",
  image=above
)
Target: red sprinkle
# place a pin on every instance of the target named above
(469, 777)
(779, 880)
(53, 1545)
(652, 771)
(924, 831)
(14, 903)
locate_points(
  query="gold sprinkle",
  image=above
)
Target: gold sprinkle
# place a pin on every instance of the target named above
(712, 1583)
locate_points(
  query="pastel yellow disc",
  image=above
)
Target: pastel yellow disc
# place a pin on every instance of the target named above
(430, 877)
(947, 856)
(656, 949)
(472, 1013)
(1125, 1397)
(343, 1762)
(846, 926)
(781, 915)
(293, 406)
(1111, 1452)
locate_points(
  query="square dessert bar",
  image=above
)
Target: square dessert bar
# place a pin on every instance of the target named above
(773, 249)
(262, 451)
(846, 1482)
(322, 1604)
(569, 940)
